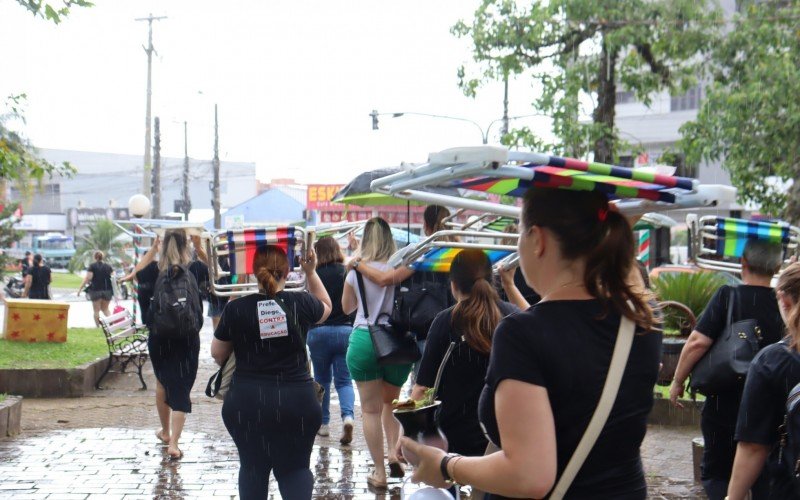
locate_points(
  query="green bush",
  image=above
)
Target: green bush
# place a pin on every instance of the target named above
(694, 290)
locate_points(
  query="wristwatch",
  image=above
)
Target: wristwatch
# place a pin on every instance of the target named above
(356, 263)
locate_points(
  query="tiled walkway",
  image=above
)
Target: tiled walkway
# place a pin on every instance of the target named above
(102, 446)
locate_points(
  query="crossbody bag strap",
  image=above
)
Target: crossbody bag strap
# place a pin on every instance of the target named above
(731, 304)
(622, 349)
(363, 296)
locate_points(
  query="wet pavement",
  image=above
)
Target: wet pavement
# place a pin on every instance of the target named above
(103, 446)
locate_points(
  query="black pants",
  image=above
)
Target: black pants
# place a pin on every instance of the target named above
(718, 424)
(273, 425)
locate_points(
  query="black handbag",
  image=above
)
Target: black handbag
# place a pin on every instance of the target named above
(391, 346)
(724, 367)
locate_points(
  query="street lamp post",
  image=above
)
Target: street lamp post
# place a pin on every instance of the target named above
(484, 132)
(138, 207)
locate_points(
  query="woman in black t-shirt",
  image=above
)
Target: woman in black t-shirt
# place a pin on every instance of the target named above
(37, 280)
(470, 324)
(548, 364)
(271, 409)
(756, 300)
(101, 291)
(773, 374)
(328, 341)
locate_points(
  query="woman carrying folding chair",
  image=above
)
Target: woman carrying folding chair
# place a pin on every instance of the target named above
(549, 364)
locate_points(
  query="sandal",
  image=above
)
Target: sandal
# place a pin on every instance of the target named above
(175, 457)
(378, 484)
(396, 469)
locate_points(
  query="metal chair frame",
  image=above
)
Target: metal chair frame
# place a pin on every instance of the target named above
(217, 247)
(407, 257)
(702, 230)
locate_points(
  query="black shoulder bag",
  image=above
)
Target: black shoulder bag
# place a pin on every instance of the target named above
(392, 347)
(724, 367)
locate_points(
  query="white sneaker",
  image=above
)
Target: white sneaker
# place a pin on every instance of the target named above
(347, 431)
(323, 431)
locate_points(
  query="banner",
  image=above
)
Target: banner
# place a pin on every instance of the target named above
(318, 196)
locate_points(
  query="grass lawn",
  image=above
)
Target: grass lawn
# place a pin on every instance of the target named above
(2, 397)
(82, 345)
(66, 280)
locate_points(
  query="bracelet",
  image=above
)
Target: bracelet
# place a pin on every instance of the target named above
(443, 466)
(453, 474)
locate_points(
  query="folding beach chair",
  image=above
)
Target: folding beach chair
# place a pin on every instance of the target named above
(718, 242)
(236, 249)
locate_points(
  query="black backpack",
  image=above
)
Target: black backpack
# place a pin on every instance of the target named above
(175, 308)
(418, 303)
(790, 434)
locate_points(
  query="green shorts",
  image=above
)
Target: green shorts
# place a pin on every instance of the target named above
(364, 367)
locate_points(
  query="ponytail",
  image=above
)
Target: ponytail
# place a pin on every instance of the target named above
(789, 286)
(271, 266)
(585, 227)
(477, 315)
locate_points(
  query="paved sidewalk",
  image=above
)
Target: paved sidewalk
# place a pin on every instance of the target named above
(103, 446)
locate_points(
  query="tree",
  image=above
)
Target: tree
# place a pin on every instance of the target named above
(52, 11)
(8, 235)
(750, 117)
(103, 236)
(581, 52)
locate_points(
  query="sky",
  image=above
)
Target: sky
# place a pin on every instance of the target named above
(295, 81)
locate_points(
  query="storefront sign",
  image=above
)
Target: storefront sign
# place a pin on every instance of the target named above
(318, 196)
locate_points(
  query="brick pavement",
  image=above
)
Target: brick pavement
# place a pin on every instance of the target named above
(102, 446)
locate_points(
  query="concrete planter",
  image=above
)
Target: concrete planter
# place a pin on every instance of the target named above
(663, 413)
(10, 416)
(52, 382)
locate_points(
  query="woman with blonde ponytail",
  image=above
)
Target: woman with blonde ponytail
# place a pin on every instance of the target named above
(470, 324)
(271, 409)
(773, 373)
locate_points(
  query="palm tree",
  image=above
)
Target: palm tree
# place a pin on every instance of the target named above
(103, 236)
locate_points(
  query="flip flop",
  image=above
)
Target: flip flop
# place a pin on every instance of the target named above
(175, 457)
(376, 483)
(163, 441)
(396, 469)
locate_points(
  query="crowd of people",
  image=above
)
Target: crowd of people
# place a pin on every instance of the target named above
(524, 359)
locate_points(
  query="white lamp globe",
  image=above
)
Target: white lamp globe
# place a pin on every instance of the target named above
(139, 205)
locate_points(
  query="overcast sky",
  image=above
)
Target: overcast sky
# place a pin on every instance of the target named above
(295, 81)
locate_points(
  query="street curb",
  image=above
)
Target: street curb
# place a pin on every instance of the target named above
(10, 416)
(52, 382)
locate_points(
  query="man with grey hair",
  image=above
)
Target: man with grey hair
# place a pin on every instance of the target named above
(754, 299)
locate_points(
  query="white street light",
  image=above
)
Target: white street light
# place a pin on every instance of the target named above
(139, 205)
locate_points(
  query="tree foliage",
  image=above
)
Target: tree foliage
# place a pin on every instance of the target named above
(52, 11)
(8, 235)
(578, 53)
(103, 236)
(750, 118)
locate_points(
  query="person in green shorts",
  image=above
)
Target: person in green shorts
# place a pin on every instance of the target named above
(377, 385)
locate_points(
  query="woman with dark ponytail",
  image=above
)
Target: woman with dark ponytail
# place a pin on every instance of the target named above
(271, 409)
(470, 324)
(548, 364)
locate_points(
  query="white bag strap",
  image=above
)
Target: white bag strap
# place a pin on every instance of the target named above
(619, 359)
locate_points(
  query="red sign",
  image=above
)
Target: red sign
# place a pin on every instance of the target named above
(318, 196)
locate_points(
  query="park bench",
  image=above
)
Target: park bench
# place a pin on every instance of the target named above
(127, 343)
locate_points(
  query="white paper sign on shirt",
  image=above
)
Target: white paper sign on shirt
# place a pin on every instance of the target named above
(271, 320)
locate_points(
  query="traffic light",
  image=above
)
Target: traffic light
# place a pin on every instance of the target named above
(374, 116)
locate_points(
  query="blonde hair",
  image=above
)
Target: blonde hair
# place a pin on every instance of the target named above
(789, 285)
(98, 255)
(174, 250)
(271, 266)
(378, 243)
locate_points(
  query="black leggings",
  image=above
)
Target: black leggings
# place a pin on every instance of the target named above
(273, 425)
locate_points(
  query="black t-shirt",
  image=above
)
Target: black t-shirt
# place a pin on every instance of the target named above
(752, 302)
(565, 346)
(281, 355)
(773, 373)
(332, 276)
(101, 276)
(462, 379)
(527, 292)
(40, 279)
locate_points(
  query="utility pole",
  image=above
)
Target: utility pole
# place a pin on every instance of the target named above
(187, 203)
(215, 188)
(149, 50)
(505, 103)
(156, 198)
